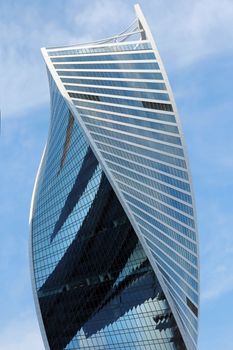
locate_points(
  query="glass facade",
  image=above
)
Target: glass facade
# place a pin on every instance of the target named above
(114, 243)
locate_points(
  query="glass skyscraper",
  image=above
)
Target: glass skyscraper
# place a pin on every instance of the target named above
(113, 245)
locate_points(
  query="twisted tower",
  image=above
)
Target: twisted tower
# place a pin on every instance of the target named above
(113, 247)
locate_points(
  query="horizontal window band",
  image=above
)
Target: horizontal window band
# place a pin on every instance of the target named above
(132, 125)
(93, 85)
(141, 159)
(134, 175)
(105, 57)
(122, 93)
(179, 276)
(112, 66)
(171, 262)
(158, 106)
(105, 63)
(155, 132)
(103, 54)
(166, 208)
(125, 112)
(122, 148)
(99, 48)
(170, 243)
(108, 135)
(142, 169)
(157, 192)
(121, 106)
(140, 149)
(155, 198)
(116, 82)
(172, 236)
(162, 216)
(84, 96)
(111, 74)
(123, 101)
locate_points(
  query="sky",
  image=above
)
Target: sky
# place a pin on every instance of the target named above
(195, 39)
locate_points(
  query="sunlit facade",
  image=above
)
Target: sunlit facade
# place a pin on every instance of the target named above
(114, 246)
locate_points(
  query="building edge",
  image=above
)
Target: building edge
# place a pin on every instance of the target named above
(141, 18)
(33, 282)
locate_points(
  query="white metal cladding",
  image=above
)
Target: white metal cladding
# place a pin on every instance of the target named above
(119, 92)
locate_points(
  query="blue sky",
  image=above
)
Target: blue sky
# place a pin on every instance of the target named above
(195, 41)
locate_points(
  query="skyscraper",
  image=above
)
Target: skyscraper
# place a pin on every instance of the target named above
(114, 246)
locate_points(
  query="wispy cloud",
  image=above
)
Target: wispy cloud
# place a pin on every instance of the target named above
(23, 31)
(102, 18)
(187, 31)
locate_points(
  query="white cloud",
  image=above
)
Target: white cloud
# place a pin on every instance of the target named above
(187, 31)
(102, 19)
(23, 75)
